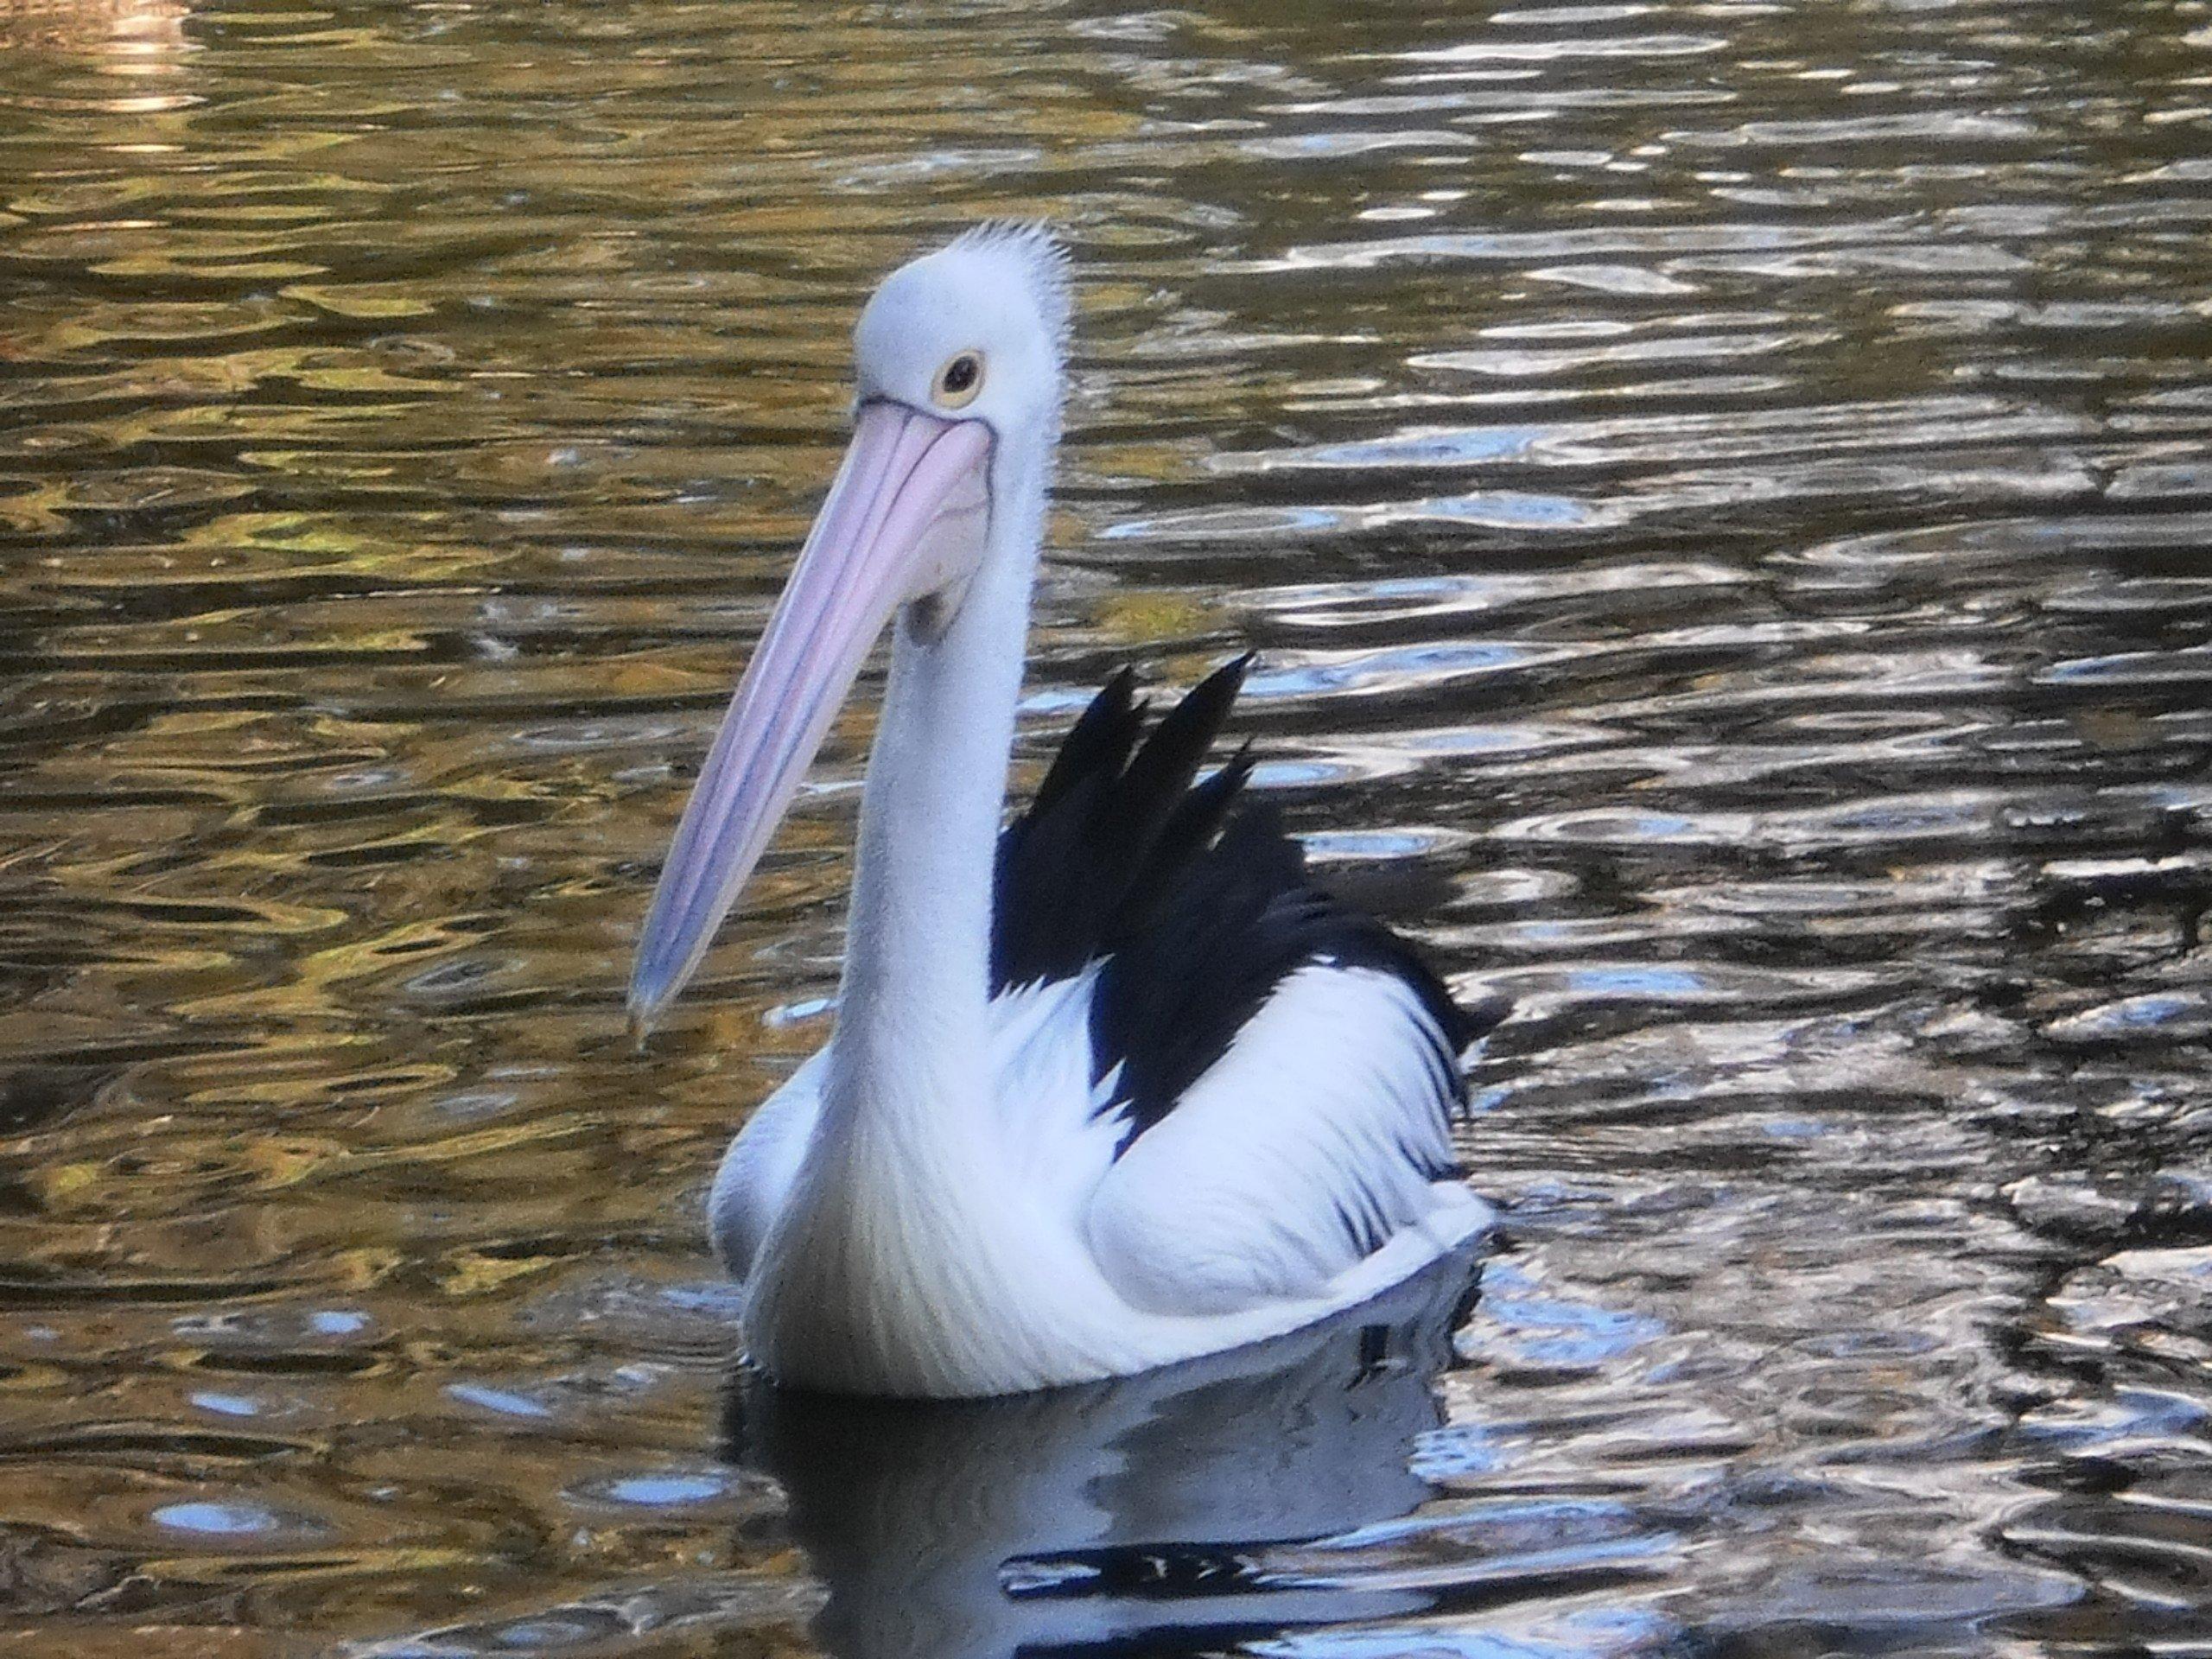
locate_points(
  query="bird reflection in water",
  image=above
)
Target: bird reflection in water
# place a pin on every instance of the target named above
(1138, 1509)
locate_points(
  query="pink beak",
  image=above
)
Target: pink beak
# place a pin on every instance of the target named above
(906, 518)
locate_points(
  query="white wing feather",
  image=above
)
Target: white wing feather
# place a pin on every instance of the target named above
(757, 1172)
(1314, 1137)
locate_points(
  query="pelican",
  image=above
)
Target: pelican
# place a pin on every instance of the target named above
(1111, 1087)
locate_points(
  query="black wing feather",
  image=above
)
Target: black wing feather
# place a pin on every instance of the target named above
(1195, 901)
(1099, 742)
(1076, 869)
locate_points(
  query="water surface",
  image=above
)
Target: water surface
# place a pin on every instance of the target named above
(1722, 493)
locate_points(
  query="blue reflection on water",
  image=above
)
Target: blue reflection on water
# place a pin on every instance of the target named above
(506, 1402)
(660, 1491)
(229, 1405)
(1637, 981)
(223, 1519)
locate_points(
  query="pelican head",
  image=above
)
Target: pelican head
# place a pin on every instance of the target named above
(957, 383)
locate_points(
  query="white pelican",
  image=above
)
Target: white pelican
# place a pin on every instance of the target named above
(1114, 1088)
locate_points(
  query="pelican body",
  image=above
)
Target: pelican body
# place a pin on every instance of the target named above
(1110, 1087)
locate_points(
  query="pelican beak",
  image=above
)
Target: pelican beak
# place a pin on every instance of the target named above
(907, 518)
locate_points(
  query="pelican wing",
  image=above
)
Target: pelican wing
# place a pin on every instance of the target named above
(1318, 1145)
(1191, 901)
(1277, 1070)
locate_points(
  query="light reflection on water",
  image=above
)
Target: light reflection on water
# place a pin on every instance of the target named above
(1721, 492)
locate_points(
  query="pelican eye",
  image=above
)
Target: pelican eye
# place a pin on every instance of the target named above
(959, 380)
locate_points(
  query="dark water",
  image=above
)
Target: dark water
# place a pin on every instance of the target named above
(1723, 491)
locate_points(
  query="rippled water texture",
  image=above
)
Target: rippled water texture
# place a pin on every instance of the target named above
(1723, 494)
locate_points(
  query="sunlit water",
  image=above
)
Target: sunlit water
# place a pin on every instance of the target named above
(1723, 492)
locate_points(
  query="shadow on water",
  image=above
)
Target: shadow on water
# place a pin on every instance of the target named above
(1156, 1513)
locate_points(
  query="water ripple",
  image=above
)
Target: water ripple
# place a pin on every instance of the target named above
(1721, 492)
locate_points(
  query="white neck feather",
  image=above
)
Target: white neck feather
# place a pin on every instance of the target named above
(910, 1046)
